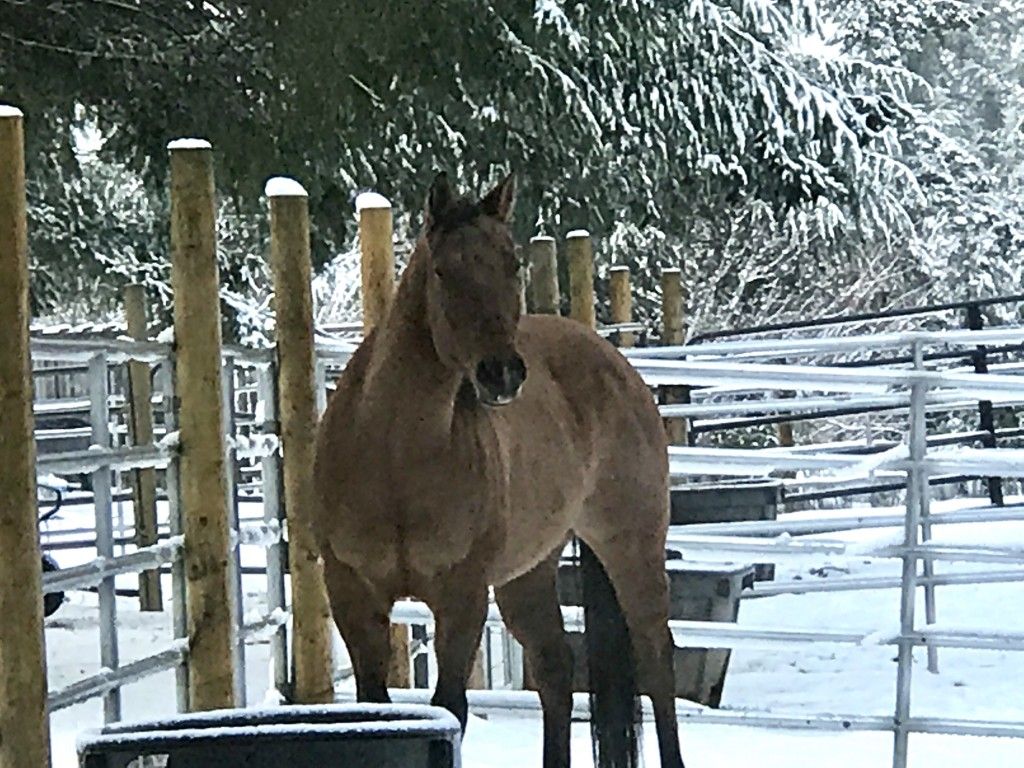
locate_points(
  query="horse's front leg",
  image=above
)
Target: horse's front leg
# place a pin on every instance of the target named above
(361, 611)
(460, 610)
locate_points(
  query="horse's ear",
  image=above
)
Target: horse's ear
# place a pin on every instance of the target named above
(500, 201)
(438, 199)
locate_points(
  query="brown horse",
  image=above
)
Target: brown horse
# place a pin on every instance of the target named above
(463, 448)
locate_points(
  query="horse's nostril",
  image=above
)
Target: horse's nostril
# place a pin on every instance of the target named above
(501, 376)
(489, 371)
(517, 371)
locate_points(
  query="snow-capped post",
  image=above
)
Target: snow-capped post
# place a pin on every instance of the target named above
(141, 427)
(312, 681)
(580, 251)
(24, 727)
(377, 256)
(202, 458)
(543, 264)
(622, 301)
(377, 264)
(673, 333)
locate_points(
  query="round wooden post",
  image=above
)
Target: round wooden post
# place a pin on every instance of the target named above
(673, 334)
(293, 308)
(141, 426)
(673, 330)
(622, 302)
(202, 470)
(378, 278)
(24, 726)
(543, 265)
(581, 276)
(377, 257)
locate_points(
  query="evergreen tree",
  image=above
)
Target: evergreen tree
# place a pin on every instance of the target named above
(705, 132)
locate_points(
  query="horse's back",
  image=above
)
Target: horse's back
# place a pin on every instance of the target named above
(604, 392)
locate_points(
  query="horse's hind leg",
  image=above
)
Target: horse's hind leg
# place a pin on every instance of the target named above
(362, 614)
(633, 556)
(530, 609)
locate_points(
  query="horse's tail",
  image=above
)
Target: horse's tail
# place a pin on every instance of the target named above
(614, 699)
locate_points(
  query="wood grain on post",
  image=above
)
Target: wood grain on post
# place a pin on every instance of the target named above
(297, 408)
(580, 251)
(622, 302)
(141, 428)
(377, 256)
(202, 470)
(542, 258)
(24, 726)
(377, 266)
(673, 334)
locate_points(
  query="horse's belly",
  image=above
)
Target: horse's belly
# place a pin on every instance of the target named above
(531, 534)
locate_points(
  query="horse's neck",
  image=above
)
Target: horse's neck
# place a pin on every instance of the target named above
(406, 370)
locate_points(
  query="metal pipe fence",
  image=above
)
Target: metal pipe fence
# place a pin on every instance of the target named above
(99, 461)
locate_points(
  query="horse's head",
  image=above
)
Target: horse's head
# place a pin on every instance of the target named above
(472, 289)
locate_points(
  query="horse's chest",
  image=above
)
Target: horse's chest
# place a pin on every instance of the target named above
(422, 509)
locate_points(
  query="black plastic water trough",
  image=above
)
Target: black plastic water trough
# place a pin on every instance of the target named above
(326, 736)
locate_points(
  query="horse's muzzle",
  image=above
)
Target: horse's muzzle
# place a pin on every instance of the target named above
(499, 379)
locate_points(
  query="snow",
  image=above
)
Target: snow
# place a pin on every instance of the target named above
(577, 233)
(367, 200)
(282, 186)
(52, 481)
(254, 445)
(845, 679)
(169, 441)
(542, 239)
(8, 110)
(188, 144)
(258, 534)
(166, 336)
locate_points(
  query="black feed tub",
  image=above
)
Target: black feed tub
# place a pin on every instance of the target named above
(320, 736)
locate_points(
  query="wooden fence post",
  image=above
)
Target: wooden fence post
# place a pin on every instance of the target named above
(377, 265)
(377, 257)
(293, 309)
(141, 425)
(543, 263)
(202, 473)
(673, 334)
(24, 725)
(622, 302)
(580, 250)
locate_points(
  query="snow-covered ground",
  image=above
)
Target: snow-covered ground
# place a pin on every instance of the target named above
(843, 679)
